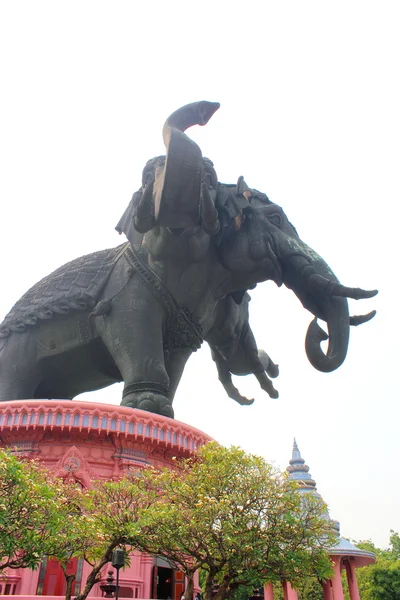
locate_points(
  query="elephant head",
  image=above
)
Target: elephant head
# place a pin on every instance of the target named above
(262, 244)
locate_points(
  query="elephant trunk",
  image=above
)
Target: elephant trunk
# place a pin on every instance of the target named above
(177, 187)
(337, 318)
(197, 113)
(320, 292)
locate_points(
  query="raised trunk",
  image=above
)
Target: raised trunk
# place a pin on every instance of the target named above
(336, 313)
(177, 187)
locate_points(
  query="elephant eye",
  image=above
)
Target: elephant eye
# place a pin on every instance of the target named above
(208, 180)
(275, 219)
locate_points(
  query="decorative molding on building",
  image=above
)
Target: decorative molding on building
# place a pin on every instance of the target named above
(74, 466)
(43, 417)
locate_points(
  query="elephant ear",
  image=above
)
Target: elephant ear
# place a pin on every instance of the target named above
(125, 224)
(233, 201)
(255, 197)
(242, 189)
(177, 186)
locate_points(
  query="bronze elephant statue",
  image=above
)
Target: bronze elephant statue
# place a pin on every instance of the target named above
(135, 313)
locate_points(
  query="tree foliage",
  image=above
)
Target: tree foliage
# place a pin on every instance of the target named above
(227, 512)
(114, 510)
(30, 515)
(239, 519)
(44, 516)
(78, 534)
(380, 581)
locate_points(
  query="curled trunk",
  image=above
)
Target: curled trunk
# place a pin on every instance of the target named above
(337, 318)
(320, 292)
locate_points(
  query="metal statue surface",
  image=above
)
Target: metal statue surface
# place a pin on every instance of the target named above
(135, 313)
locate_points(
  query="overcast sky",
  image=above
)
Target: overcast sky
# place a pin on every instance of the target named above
(309, 95)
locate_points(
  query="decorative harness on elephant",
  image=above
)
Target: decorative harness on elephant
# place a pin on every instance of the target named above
(181, 329)
(77, 286)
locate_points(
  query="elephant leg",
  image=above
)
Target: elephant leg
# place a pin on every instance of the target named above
(258, 361)
(266, 384)
(225, 377)
(175, 362)
(14, 389)
(132, 333)
(19, 377)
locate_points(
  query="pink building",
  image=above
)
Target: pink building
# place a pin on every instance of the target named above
(87, 441)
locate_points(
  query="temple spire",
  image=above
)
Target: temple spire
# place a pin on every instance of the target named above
(299, 471)
(296, 451)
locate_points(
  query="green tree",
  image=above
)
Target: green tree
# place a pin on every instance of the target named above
(79, 532)
(112, 512)
(386, 582)
(394, 545)
(30, 518)
(239, 519)
(42, 516)
(380, 581)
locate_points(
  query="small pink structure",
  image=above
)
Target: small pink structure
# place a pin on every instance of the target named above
(345, 556)
(86, 441)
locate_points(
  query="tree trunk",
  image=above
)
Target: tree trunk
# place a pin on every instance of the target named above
(189, 587)
(219, 592)
(70, 580)
(223, 589)
(94, 573)
(209, 586)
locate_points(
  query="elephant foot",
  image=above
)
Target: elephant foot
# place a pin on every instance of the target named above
(150, 401)
(266, 385)
(243, 401)
(234, 393)
(273, 369)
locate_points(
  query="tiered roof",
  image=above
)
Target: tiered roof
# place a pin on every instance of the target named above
(300, 473)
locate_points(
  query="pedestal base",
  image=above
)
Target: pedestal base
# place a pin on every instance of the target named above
(85, 441)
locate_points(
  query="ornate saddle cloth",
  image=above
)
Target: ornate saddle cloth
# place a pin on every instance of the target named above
(74, 286)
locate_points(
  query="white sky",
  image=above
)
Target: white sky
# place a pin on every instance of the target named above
(309, 114)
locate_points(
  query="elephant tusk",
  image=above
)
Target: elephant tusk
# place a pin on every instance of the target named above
(333, 288)
(360, 319)
(356, 293)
